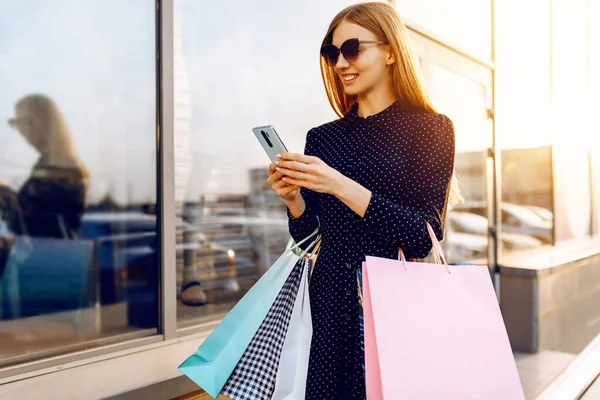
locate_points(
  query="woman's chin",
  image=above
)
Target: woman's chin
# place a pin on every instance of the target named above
(352, 91)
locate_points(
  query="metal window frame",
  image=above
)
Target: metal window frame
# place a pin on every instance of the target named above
(168, 332)
(166, 157)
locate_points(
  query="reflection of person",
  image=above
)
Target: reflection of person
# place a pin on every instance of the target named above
(374, 178)
(52, 199)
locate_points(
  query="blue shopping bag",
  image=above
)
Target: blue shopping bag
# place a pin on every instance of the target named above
(47, 275)
(212, 364)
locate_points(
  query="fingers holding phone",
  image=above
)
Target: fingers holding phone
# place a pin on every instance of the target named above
(287, 192)
(270, 141)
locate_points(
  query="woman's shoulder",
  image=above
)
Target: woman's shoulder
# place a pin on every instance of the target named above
(330, 130)
(434, 135)
(427, 117)
(334, 126)
(428, 124)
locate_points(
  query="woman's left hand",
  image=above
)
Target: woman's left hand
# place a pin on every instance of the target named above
(309, 172)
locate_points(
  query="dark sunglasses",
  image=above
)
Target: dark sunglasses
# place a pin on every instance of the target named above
(349, 49)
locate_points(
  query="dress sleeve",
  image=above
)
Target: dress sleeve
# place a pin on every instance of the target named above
(304, 225)
(426, 191)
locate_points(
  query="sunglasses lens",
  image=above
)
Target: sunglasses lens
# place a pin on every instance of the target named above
(330, 53)
(350, 49)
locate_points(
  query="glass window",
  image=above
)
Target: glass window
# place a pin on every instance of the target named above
(522, 87)
(594, 69)
(522, 125)
(527, 199)
(572, 119)
(572, 191)
(240, 68)
(466, 237)
(78, 243)
(595, 187)
(594, 48)
(466, 24)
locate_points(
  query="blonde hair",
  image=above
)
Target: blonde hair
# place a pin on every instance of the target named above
(383, 20)
(49, 131)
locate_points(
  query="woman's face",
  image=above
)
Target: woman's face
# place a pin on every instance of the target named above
(369, 72)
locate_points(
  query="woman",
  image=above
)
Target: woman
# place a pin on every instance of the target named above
(52, 199)
(374, 178)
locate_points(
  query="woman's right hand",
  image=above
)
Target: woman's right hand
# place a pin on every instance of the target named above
(289, 193)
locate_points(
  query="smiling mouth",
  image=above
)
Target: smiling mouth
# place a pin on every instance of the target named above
(349, 78)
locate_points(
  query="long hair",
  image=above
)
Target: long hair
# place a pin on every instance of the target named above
(383, 20)
(49, 132)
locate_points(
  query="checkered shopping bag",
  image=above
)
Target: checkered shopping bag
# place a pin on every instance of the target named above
(254, 376)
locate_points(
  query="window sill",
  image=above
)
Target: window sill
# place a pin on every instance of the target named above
(551, 259)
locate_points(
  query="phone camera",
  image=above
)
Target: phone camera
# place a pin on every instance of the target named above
(265, 135)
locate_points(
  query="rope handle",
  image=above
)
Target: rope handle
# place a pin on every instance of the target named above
(438, 252)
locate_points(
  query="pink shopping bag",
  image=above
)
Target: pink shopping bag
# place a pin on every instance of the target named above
(434, 331)
(372, 371)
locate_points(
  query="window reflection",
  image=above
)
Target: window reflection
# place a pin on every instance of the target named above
(52, 199)
(44, 213)
(526, 209)
(524, 133)
(466, 237)
(595, 188)
(572, 118)
(231, 225)
(78, 243)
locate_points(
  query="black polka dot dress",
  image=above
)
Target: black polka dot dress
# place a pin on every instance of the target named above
(405, 158)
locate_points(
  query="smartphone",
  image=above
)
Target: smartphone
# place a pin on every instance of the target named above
(269, 140)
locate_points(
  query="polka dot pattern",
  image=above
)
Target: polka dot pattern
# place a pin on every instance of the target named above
(405, 158)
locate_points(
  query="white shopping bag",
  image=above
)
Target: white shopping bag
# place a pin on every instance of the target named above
(290, 383)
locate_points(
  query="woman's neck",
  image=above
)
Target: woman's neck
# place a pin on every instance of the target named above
(375, 102)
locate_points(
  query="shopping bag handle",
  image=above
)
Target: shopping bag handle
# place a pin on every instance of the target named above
(310, 246)
(300, 243)
(438, 252)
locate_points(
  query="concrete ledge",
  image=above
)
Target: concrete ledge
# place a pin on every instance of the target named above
(550, 259)
(110, 377)
(550, 299)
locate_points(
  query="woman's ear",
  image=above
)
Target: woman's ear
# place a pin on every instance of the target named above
(390, 59)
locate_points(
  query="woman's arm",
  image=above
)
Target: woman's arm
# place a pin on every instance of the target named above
(425, 192)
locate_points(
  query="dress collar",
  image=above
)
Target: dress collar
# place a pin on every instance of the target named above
(352, 114)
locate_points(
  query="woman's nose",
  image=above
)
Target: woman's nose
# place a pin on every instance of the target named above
(342, 63)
